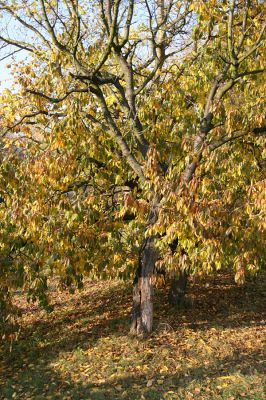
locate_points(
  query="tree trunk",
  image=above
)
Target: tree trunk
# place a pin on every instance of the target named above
(178, 290)
(142, 310)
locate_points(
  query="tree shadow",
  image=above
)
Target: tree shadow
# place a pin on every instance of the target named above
(80, 322)
(132, 387)
(75, 322)
(218, 301)
(46, 383)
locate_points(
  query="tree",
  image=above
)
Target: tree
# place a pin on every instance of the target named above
(147, 112)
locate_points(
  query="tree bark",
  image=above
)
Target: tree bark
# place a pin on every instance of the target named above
(142, 310)
(178, 290)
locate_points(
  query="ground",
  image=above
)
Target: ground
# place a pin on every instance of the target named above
(81, 350)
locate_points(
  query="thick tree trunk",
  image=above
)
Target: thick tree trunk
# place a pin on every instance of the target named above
(178, 290)
(142, 311)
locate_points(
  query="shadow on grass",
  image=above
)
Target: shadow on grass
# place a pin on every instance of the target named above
(79, 324)
(46, 383)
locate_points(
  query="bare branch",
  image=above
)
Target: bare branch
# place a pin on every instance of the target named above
(255, 46)
(55, 100)
(19, 44)
(117, 136)
(24, 23)
(50, 29)
(218, 143)
(10, 55)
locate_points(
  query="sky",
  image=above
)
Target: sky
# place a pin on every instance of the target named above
(5, 77)
(8, 29)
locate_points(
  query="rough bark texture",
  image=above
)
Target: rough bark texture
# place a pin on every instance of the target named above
(178, 290)
(142, 311)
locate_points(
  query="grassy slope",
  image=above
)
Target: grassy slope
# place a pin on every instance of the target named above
(81, 350)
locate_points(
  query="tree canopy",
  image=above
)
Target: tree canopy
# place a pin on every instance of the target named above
(131, 125)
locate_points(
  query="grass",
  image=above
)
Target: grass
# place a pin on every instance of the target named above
(81, 350)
